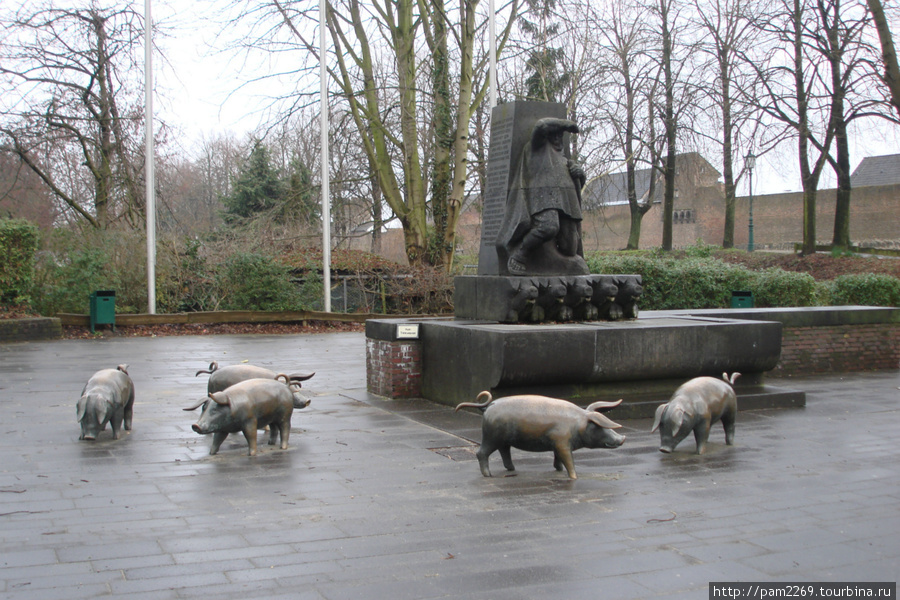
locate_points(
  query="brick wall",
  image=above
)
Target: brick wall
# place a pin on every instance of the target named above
(839, 348)
(394, 368)
(777, 220)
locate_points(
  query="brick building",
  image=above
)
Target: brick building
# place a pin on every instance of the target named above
(777, 218)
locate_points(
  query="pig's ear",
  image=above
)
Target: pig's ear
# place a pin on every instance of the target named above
(123, 368)
(660, 411)
(220, 398)
(677, 418)
(79, 409)
(601, 420)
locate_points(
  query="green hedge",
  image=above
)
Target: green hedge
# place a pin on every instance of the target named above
(18, 245)
(73, 264)
(251, 281)
(868, 289)
(703, 282)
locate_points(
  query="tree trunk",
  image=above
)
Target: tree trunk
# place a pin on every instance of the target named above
(808, 178)
(727, 150)
(891, 75)
(841, 237)
(671, 138)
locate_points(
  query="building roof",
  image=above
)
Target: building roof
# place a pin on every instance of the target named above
(611, 189)
(877, 170)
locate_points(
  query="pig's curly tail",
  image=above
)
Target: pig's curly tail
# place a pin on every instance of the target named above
(480, 407)
(732, 379)
(213, 367)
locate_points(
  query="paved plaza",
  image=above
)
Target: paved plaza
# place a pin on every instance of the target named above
(383, 498)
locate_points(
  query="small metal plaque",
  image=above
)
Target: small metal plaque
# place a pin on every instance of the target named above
(408, 332)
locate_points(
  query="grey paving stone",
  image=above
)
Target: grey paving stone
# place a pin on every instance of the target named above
(378, 498)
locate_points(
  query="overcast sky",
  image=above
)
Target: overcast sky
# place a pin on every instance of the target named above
(198, 91)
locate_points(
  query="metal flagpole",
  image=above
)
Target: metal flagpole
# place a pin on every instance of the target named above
(326, 192)
(492, 34)
(149, 162)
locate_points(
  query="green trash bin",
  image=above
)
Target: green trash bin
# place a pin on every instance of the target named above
(103, 309)
(741, 299)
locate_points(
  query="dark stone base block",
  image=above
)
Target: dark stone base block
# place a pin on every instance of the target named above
(641, 360)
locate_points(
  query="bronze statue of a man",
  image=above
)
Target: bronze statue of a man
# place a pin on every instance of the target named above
(541, 232)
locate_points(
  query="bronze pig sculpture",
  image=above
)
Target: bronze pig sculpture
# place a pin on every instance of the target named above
(247, 406)
(542, 424)
(107, 397)
(696, 406)
(222, 378)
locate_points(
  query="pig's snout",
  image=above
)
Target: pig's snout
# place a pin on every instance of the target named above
(196, 428)
(89, 432)
(617, 440)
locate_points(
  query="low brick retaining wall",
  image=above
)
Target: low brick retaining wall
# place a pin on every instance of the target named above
(839, 348)
(828, 339)
(37, 328)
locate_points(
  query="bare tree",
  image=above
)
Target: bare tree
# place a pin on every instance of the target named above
(851, 85)
(430, 54)
(891, 73)
(630, 88)
(672, 67)
(816, 81)
(726, 33)
(789, 80)
(68, 94)
(23, 195)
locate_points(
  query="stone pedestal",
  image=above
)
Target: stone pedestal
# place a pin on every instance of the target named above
(642, 360)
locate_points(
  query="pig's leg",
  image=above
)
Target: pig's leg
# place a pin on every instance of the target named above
(115, 423)
(218, 438)
(129, 413)
(701, 436)
(273, 435)
(250, 434)
(285, 428)
(484, 454)
(506, 455)
(563, 454)
(728, 424)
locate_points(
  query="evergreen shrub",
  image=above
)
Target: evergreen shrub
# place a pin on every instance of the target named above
(72, 265)
(249, 281)
(867, 289)
(700, 281)
(18, 244)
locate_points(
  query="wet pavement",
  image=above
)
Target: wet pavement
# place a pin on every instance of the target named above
(384, 499)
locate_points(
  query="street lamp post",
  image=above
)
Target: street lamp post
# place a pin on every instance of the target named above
(751, 162)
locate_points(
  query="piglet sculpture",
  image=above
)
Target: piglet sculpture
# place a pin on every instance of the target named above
(695, 406)
(247, 406)
(222, 378)
(299, 400)
(542, 424)
(108, 397)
